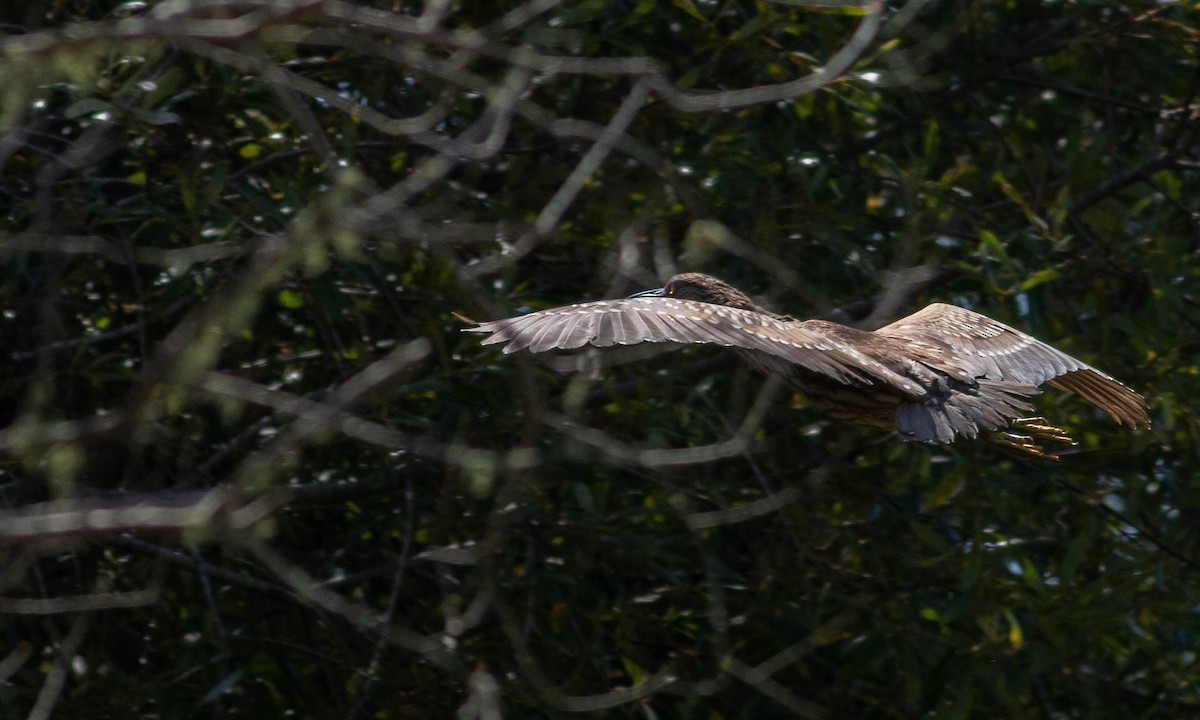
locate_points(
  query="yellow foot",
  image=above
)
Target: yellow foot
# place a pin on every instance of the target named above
(1026, 433)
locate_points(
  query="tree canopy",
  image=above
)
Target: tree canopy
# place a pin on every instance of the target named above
(250, 466)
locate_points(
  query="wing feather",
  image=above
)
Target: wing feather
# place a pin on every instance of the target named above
(564, 335)
(548, 335)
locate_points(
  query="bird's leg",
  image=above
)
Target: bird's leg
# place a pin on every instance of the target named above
(1042, 430)
(1032, 431)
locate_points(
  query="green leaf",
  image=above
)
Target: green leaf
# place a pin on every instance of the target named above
(1041, 276)
(949, 486)
(291, 299)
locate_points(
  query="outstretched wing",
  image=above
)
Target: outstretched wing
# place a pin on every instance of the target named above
(976, 345)
(638, 320)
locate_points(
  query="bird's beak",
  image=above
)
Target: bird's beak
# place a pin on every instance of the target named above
(656, 292)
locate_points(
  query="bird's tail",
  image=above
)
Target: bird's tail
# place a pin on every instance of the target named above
(967, 411)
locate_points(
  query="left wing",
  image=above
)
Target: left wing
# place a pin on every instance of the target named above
(985, 348)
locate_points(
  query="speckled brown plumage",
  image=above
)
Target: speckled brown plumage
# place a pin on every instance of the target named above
(941, 372)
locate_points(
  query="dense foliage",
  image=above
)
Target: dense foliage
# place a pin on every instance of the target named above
(249, 466)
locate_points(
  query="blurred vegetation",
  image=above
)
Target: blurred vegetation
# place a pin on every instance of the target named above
(249, 466)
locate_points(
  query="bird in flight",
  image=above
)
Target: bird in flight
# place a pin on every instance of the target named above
(941, 372)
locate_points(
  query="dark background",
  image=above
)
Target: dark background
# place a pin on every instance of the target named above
(249, 466)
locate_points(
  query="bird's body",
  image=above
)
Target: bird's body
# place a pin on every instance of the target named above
(941, 372)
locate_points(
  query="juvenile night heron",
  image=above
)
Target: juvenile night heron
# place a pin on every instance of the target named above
(941, 372)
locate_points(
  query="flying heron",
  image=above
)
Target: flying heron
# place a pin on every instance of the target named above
(941, 372)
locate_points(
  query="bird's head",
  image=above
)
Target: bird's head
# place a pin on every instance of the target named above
(702, 288)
